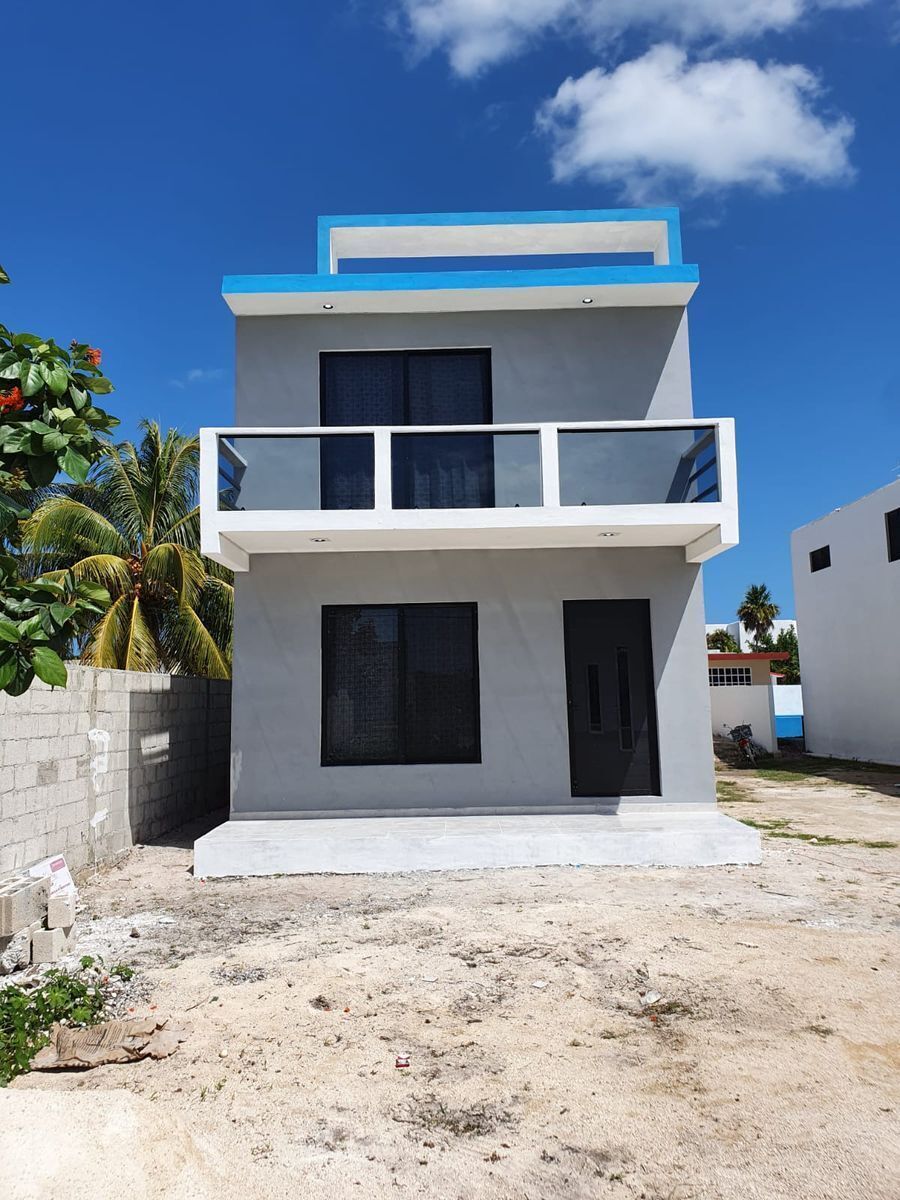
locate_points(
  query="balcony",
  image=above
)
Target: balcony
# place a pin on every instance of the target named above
(459, 487)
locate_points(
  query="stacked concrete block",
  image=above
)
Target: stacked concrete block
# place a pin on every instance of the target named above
(49, 945)
(166, 761)
(61, 911)
(38, 926)
(23, 901)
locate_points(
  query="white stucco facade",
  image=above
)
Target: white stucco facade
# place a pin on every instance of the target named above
(848, 617)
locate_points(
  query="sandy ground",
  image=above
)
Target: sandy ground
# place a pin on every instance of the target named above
(534, 1072)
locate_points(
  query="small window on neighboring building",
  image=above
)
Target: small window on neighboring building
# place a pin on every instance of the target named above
(730, 677)
(820, 559)
(400, 684)
(892, 524)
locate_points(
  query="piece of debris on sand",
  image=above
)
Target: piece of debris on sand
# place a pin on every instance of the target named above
(109, 1042)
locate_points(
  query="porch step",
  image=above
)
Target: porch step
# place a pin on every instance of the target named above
(364, 845)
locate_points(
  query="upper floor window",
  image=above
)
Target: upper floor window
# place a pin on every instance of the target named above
(409, 387)
(820, 559)
(406, 387)
(892, 525)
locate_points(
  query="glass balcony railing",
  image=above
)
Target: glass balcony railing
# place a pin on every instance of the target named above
(466, 470)
(261, 473)
(477, 467)
(638, 466)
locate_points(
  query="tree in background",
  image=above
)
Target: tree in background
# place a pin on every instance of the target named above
(135, 530)
(757, 611)
(785, 641)
(48, 423)
(722, 640)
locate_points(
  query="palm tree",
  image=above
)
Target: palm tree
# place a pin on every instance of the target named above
(135, 529)
(757, 611)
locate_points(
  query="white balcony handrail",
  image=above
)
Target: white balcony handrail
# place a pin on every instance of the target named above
(522, 427)
(224, 531)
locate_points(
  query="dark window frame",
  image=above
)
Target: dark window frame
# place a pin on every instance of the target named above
(816, 560)
(402, 760)
(892, 533)
(483, 351)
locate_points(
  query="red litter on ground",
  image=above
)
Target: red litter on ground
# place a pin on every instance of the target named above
(402, 1060)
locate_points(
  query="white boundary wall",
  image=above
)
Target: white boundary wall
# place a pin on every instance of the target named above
(739, 705)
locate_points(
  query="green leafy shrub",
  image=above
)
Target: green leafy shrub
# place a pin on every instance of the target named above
(48, 419)
(49, 422)
(27, 1015)
(39, 619)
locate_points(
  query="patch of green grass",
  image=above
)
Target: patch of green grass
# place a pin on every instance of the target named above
(777, 775)
(767, 826)
(811, 764)
(822, 839)
(779, 827)
(26, 1016)
(727, 789)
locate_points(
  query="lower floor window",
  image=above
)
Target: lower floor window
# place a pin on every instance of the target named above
(400, 684)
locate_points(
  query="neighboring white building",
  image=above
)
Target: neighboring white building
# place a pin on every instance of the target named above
(467, 512)
(788, 698)
(742, 691)
(847, 591)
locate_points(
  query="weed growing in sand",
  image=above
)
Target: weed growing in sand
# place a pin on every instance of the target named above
(26, 1016)
(780, 828)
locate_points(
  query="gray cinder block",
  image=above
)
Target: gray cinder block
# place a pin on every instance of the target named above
(48, 945)
(61, 911)
(22, 901)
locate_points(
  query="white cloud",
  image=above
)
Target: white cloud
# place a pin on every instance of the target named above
(661, 121)
(198, 375)
(478, 33)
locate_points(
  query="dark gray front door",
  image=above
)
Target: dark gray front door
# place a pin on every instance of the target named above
(612, 704)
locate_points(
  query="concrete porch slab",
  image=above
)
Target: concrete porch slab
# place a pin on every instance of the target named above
(361, 845)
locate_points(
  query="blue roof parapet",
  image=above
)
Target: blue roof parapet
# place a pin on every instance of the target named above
(522, 235)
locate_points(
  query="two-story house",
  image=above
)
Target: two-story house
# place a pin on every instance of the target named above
(467, 511)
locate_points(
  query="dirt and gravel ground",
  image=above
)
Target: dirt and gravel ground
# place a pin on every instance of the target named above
(769, 1068)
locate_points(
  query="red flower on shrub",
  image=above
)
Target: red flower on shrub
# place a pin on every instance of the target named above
(12, 401)
(93, 355)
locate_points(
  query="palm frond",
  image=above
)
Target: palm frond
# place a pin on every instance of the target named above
(107, 569)
(71, 530)
(191, 646)
(216, 571)
(141, 647)
(118, 479)
(106, 641)
(186, 529)
(173, 463)
(215, 608)
(170, 568)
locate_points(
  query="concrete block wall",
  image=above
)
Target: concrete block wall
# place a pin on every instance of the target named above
(115, 758)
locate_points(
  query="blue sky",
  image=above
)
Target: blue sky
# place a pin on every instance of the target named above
(156, 150)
